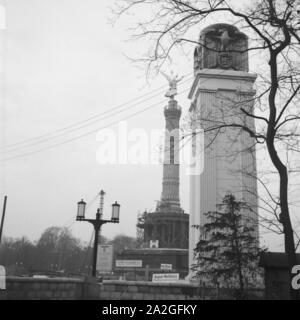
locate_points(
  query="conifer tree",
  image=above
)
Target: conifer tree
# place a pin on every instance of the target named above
(228, 251)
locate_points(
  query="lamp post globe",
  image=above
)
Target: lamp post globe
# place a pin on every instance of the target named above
(115, 214)
(81, 210)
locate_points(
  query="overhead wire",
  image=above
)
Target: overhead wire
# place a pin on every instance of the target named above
(81, 124)
(95, 130)
(86, 133)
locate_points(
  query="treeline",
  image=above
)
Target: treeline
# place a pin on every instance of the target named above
(56, 252)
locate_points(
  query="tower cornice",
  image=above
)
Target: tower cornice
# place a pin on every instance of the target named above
(235, 80)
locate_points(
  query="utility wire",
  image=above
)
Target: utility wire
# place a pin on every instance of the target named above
(93, 118)
(95, 130)
(69, 223)
(86, 133)
(84, 123)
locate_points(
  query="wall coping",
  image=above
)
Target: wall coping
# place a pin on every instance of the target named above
(169, 284)
(31, 279)
(150, 284)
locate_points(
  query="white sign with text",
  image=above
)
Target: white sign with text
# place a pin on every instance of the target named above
(165, 277)
(105, 258)
(166, 266)
(129, 263)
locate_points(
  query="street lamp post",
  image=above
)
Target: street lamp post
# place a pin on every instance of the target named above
(97, 223)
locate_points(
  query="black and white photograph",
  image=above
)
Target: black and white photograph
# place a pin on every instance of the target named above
(149, 153)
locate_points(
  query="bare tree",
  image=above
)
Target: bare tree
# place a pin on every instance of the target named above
(273, 28)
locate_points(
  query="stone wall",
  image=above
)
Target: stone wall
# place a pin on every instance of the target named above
(140, 290)
(18, 288)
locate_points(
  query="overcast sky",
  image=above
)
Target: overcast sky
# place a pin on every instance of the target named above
(64, 63)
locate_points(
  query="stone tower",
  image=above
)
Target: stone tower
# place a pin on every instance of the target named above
(168, 225)
(170, 183)
(221, 95)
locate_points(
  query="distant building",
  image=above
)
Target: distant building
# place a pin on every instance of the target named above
(141, 264)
